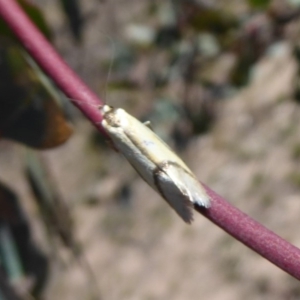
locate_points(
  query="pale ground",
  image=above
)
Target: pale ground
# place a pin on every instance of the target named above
(143, 250)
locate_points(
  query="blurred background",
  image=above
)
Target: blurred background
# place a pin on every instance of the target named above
(219, 81)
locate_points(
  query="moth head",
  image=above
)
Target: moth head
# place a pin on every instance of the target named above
(111, 115)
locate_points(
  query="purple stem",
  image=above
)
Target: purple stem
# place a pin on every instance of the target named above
(223, 214)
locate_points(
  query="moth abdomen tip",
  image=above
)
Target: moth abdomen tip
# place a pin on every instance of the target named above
(204, 202)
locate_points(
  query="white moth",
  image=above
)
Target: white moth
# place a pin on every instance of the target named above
(155, 162)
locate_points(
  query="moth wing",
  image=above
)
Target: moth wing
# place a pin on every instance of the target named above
(182, 190)
(174, 196)
(189, 185)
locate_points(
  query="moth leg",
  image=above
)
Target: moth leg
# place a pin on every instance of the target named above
(148, 124)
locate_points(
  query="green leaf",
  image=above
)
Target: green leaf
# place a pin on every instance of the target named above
(72, 11)
(55, 213)
(36, 16)
(259, 3)
(10, 213)
(9, 254)
(29, 113)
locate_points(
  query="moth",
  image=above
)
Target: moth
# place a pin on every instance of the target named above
(155, 162)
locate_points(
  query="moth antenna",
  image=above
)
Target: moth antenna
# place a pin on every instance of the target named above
(83, 102)
(112, 58)
(111, 63)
